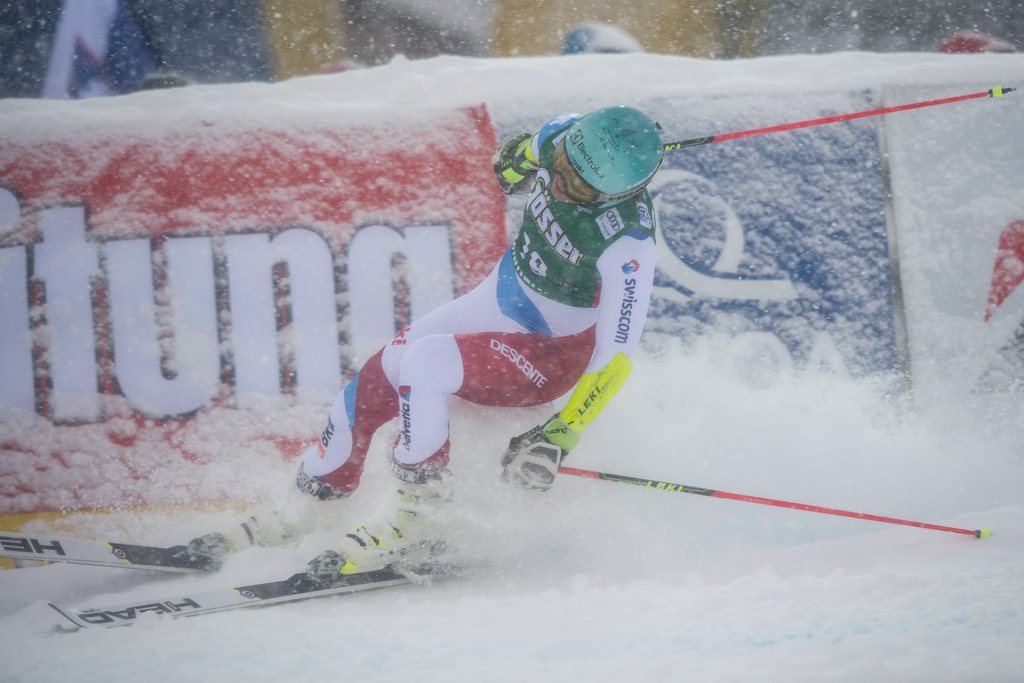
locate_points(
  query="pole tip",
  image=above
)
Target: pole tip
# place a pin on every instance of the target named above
(983, 533)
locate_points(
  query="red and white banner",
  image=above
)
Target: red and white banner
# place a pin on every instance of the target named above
(151, 283)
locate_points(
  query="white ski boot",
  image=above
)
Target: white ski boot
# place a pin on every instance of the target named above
(262, 528)
(299, 511)
(409, 533)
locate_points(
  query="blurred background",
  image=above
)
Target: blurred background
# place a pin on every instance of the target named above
(84, 48)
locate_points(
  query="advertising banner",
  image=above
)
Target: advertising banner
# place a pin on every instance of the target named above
(155, 283)
(772, 249)
(775, 248)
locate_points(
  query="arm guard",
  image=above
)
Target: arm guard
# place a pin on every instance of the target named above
(592, 394)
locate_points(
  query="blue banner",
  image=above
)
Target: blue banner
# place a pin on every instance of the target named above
(782, 234)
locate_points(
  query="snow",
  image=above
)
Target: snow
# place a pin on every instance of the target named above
(597, 580)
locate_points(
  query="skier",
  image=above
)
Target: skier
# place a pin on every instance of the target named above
(564, 307)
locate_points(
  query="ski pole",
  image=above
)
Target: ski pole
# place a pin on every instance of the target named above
(693, 142)
(684, 488)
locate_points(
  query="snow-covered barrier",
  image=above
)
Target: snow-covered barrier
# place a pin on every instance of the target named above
(181, 295)
(222, 268)
(775, 248)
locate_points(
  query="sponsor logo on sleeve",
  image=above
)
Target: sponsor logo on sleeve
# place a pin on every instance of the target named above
(625, 323)
(610, 223)
(646, 219)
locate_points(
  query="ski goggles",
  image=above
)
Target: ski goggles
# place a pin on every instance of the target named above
(576, 188)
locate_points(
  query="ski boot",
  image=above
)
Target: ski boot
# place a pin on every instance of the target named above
(322, 571)
(408, 534)
(269, 525)
(264, 528)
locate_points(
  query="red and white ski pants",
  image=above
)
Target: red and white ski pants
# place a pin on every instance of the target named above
(467, 348)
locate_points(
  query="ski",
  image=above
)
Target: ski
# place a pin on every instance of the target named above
(98, 553)
(298, 587)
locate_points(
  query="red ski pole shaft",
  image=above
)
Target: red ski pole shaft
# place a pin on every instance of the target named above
(693, 142)
(760, 500)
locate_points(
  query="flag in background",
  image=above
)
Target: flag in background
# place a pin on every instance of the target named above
(99, 50)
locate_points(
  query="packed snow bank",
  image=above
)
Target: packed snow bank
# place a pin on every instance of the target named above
(605, 581)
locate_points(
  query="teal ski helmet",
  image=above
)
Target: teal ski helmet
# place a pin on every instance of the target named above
(616, 150)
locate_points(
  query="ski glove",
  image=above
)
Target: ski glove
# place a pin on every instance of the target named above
(513, 163)
(532, 459)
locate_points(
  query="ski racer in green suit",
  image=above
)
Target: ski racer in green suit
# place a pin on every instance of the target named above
(561, 311)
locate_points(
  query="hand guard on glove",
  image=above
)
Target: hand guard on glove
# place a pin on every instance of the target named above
(511, 165)
(532, 459)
